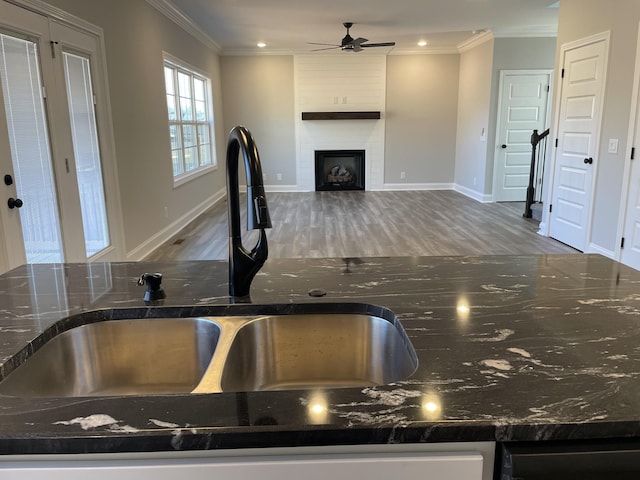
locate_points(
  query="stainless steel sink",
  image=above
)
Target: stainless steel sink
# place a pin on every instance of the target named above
(123, 357)
(311, 351)
(319, 346)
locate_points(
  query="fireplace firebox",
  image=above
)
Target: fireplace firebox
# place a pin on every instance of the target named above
(339, 170)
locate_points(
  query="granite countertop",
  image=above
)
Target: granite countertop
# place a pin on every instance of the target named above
(510, 348)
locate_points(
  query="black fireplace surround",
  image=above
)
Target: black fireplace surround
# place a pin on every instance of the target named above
(339, 170)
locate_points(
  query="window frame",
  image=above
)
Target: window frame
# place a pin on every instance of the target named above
(180, 67)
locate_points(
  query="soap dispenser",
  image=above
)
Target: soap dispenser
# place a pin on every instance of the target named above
(154, 291)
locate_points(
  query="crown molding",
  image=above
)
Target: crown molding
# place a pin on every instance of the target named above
(537, 34)
(475, 41)
(427, 50)
(255, 52)
(184, 22)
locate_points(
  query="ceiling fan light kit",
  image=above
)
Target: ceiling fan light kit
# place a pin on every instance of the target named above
(349, 44)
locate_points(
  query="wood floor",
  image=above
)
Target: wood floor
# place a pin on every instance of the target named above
(365, 224)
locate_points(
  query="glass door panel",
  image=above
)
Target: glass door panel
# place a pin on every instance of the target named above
(86, 151)
(30, 149)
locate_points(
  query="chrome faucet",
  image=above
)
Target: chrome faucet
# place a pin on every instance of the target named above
(244, 264)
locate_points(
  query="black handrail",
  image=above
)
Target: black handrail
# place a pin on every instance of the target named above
(535, 140)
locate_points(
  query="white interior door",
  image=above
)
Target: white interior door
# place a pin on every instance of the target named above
(630, 252)
(578, 137)
(52, 161)
(524, 99)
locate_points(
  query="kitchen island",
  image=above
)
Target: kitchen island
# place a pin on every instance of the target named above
(510, 348)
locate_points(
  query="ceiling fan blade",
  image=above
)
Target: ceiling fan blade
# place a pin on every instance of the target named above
(359, 40)
(326, 48)
(384, 44)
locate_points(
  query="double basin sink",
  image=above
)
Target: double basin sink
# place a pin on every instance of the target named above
(250, 348)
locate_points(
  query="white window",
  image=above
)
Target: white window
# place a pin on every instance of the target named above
(190, 120)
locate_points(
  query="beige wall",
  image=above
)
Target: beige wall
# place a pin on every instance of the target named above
(258, 93)
(473, 118)
(135, 36)
(421, 110)
(579, 19)
(421, 113)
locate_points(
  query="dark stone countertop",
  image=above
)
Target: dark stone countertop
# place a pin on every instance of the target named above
(509, 348)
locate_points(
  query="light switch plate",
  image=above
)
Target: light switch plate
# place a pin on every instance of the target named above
(613, 145)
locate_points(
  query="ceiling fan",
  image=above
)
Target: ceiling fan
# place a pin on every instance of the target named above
(350, 44)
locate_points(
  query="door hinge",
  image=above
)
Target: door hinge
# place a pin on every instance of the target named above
(633, 153)
(550, 208)
(556, 143)
(562, 73)
(44, 92)
(622, 243)
(95, 100)
(548, 88)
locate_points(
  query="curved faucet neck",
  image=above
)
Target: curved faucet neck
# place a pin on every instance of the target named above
(244, 264)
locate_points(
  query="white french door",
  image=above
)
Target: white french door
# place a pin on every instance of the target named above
(55, 206)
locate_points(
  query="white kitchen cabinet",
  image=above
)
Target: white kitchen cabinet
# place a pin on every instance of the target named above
(286, 464)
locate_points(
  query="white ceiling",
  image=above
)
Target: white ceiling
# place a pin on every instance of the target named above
(287, 25)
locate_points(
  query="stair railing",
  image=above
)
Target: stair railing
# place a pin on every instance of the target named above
(536, 172)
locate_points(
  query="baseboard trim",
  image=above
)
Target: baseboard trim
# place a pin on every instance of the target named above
(282, 188)
(147, 247)
(479, 196)
(417, 186)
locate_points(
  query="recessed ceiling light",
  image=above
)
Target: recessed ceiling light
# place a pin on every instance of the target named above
(422, 43)
(262, 44)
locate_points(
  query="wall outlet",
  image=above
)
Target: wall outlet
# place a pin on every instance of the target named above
(279, 176)
(335, 100)
(403, 175)
(344, 100)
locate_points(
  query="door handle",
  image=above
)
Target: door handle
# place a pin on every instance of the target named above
(588, 160)
(503, 146)
(14, 203)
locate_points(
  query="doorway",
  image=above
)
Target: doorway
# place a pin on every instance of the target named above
(584, 67)
(56, 156)
(523, 107)
(629, 221)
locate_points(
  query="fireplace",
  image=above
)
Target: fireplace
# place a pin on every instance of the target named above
(339, 170)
